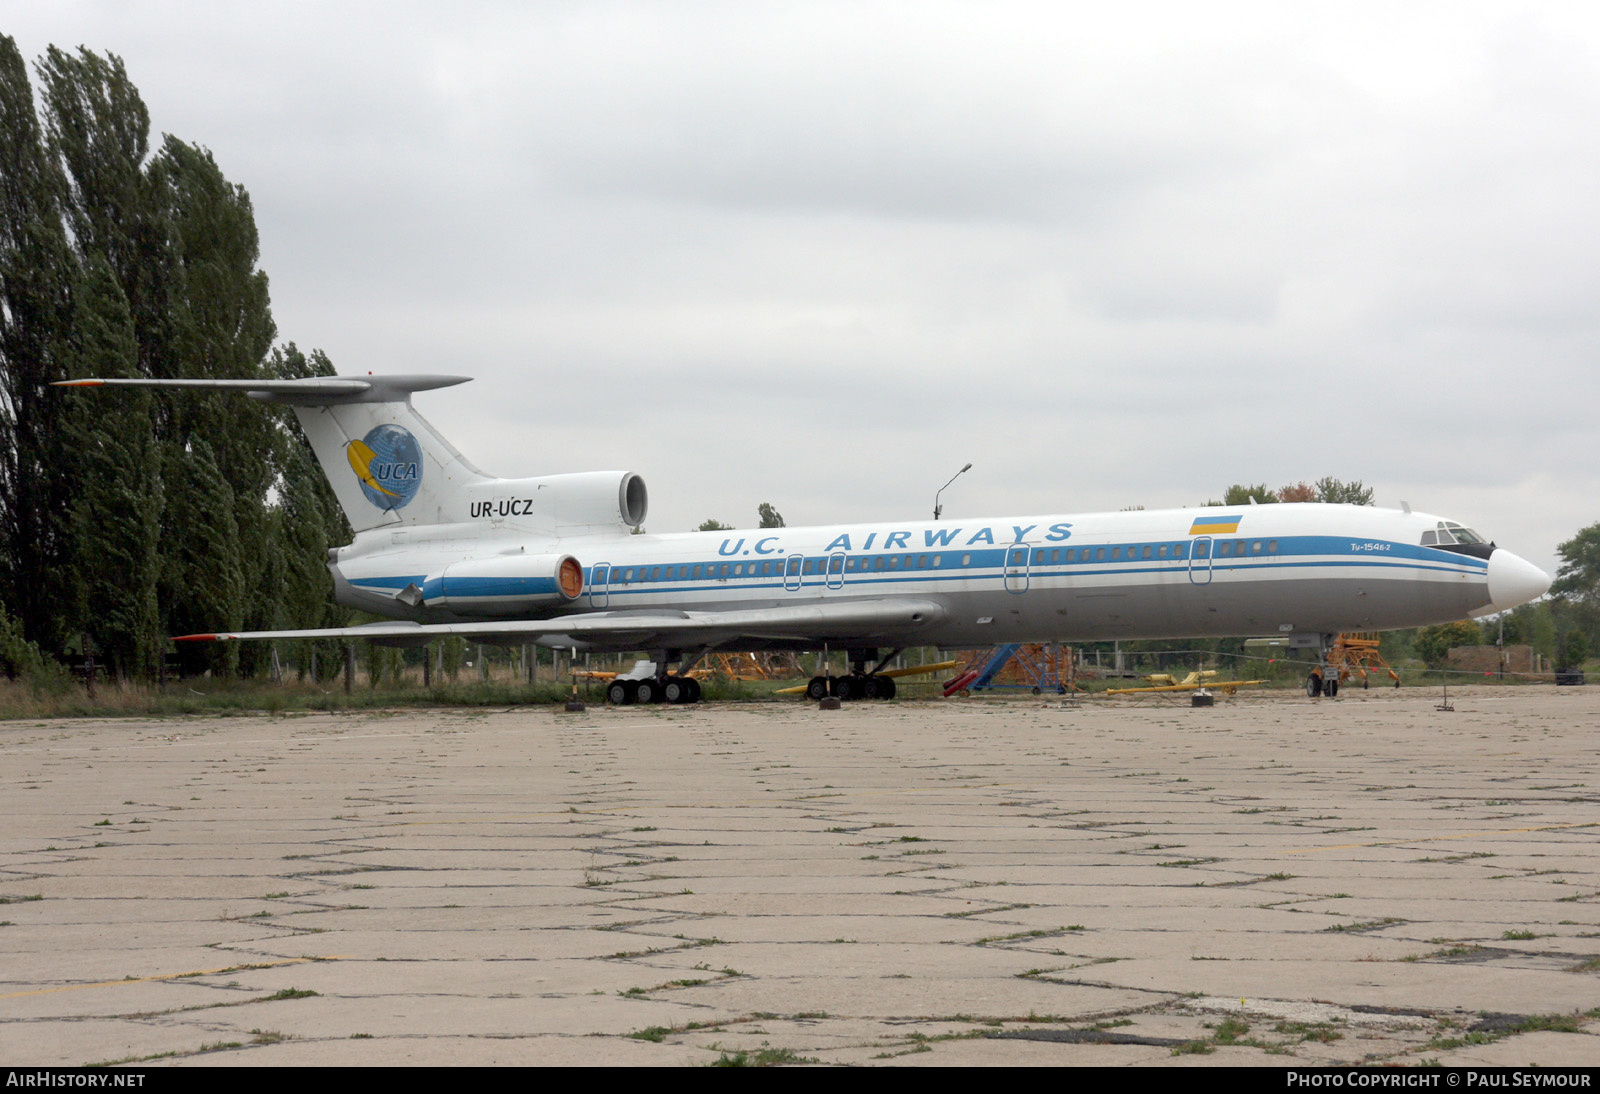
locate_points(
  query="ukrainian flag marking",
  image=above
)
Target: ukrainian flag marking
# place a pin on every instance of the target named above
(1215, 526)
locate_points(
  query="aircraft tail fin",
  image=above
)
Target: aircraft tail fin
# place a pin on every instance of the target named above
(386, 464)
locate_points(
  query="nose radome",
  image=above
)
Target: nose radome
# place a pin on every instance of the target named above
(1514, 580)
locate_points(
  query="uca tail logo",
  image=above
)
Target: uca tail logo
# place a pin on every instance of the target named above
(388, 464)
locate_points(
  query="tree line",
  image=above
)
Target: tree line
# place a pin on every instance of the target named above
(1327, 490)
(132, 515)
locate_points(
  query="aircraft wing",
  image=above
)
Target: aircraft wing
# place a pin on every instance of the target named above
(828, 622)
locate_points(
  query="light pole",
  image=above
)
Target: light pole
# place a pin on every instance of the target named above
(937, 508)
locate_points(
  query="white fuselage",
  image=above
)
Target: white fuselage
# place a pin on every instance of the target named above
(1253, 570)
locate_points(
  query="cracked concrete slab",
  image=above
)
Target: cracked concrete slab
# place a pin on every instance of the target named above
(1269, 881)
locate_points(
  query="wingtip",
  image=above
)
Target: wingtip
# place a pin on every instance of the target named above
(201, 637)
(77, 383)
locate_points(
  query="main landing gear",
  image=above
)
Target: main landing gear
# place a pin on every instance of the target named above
(854, 686)
(650, 682)
(859, 684)
(677, 690)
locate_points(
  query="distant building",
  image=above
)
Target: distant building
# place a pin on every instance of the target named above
(1518, 659)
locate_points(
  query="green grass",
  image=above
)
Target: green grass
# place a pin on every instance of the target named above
(1309, 1031)
(1356, 928)
(199, 695)
(1229, 1030)
(765, 1057)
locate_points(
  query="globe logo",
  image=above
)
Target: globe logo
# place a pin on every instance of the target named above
(388, 464)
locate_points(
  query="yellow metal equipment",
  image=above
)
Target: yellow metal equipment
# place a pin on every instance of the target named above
(1358, 653)
(1201, 678)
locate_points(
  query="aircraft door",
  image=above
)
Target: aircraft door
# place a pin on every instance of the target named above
(1017, 556)
(1200, 561)
(599, 576)
(836, 571)
(791, 572)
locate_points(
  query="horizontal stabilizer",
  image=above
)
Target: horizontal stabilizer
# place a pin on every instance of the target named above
(312, 391)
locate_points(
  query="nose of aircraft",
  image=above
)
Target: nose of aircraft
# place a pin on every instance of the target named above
(1514, 580)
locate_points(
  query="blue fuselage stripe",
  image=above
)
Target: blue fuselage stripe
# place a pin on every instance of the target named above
(958, 565)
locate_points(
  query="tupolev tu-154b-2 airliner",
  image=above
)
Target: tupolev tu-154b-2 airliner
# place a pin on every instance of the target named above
(444, 549)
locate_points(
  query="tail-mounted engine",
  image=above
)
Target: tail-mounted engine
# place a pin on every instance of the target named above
(501, 585)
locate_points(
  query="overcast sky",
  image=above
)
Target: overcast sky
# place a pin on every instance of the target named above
(824, 254)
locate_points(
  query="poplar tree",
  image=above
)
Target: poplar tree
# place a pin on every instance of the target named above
(112, 559)
(201, 583)
(221, 327)
(36, 273)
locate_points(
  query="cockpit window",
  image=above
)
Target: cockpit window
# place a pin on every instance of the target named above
(1448, 532)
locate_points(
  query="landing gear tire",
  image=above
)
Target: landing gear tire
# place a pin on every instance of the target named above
(1314, 685)
(1331, 687)
(1038, 691)
(694, 689)
(886, 687)
(648, 691)
(680, 690)
(817, 688)
(844, 687)
(869, 687)
(620, 693)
